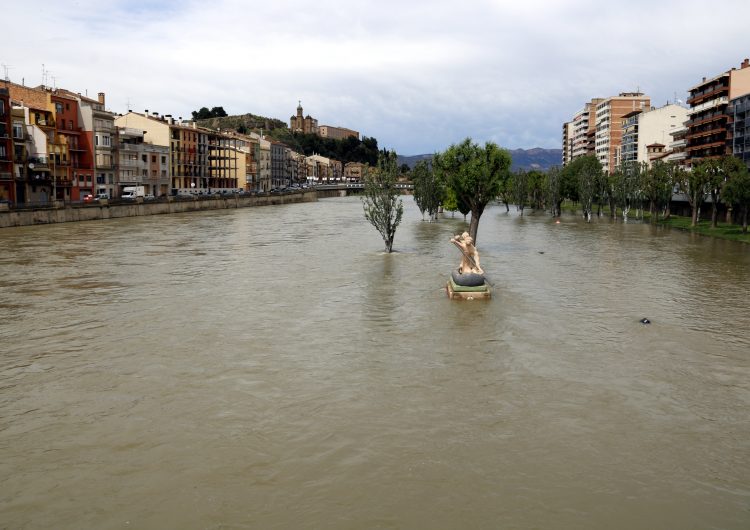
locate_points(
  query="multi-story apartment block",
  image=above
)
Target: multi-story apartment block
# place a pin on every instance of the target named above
(677, 146)
(199, 159)
(264, 173)
(578, 134)
(305, 125)
(7, 170)
(567, 143)
(629, 144)
(141, 163)
(32, 146)
(70, 151)
(710, 125)
(642, 128)
(741, 128)
(248, 160)
(223, 161)
(609, 114)
(99, 125)
(336, 133)
(278, 165)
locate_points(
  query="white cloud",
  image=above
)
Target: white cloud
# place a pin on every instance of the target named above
(416, 75)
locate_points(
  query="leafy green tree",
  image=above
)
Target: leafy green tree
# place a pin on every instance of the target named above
(712, 172)
(520, 180)
(569, 180)
(581, 178)
(536, 185)
(737, 193)
(449, 201)
(381, 202)
(694, 184)
(657, 188)
(553, 191)
(476, 175)
(428, 189)
(404, 169)
(218, 112)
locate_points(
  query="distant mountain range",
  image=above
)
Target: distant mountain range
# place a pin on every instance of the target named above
(526, 159)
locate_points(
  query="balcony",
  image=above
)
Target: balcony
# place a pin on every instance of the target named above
(710, 91)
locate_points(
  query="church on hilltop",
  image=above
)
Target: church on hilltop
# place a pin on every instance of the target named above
(309, 125)
(305, 125)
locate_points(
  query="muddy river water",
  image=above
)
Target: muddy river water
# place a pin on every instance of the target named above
(272, 368)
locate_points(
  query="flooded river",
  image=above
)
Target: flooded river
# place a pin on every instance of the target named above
(272, 368)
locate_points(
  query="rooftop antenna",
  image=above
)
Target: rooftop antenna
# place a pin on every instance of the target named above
(6, 67)
(127, 104)
(44, 76)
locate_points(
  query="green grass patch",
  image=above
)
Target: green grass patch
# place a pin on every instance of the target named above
(722, 230)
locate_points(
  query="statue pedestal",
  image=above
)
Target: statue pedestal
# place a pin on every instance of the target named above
(461, 292)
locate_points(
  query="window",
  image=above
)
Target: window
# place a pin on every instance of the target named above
(164, 160)
(70, 125)
(58, 108)
(144, 158)
(153, 159)
(17, 130)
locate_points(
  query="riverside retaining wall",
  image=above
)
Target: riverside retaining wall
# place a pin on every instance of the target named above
(106, 210)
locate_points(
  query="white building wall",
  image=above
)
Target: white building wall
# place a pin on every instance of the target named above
(656, 127)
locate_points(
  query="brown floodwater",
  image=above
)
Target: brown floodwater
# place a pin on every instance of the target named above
(272, 368)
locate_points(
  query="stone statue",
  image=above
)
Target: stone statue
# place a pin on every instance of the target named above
(470, 260)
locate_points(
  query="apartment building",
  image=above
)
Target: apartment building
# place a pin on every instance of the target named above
(678, 146)
(567, 143)
(264, 173)
(141, 163)
(7, 172)
(741, 128)
(584, 129)
(649, 127)
(609, 115)
(199, 159)
(710, 121)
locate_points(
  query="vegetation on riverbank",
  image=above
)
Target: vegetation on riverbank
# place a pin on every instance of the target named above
(729, 231)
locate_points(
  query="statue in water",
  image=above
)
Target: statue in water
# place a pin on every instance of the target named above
(469, 272)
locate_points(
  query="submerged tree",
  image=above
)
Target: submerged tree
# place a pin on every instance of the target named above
(428, 190)
(737, 193)
(694, 185)
(475, 174)
(586, 173)
(381, 202)
(553, 191)
(520, 186)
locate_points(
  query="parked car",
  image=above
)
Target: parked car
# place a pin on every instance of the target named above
(149, 197)
(88, 198)
(100, 196)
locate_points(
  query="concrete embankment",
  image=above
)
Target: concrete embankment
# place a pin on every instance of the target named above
(107, 210)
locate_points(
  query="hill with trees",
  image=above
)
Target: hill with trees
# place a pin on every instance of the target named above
(347, 150)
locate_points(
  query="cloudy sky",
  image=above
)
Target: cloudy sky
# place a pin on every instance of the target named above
(417, 75)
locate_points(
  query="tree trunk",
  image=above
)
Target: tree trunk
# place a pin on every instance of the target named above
(694, 217)
(612, 209)
(744, 219)
(667, 212)
(714, 214)
(507, 207)
(473, 227)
